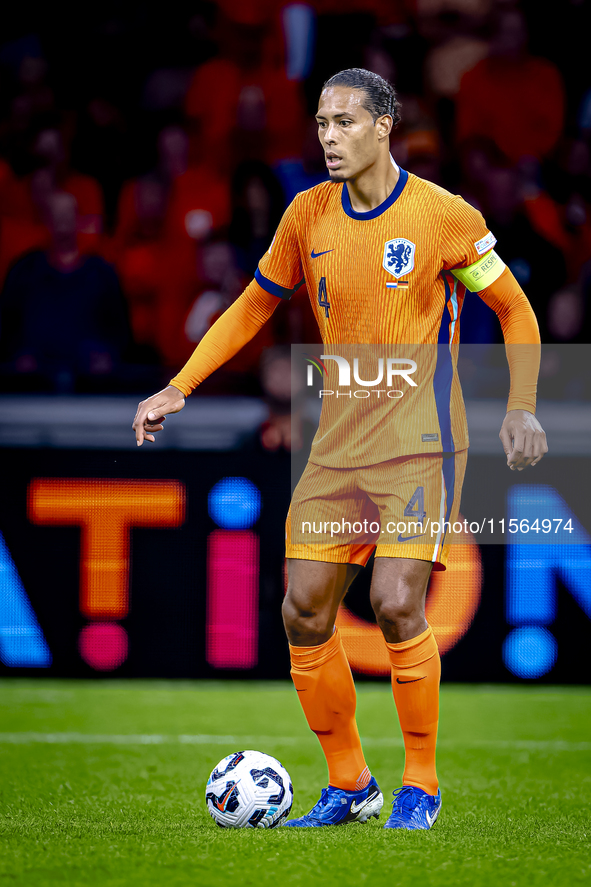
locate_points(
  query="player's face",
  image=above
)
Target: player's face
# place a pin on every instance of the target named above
(347, 132)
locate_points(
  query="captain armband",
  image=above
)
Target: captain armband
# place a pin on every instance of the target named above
(482, 273)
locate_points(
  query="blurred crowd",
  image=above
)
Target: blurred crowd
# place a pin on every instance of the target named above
(146, 158)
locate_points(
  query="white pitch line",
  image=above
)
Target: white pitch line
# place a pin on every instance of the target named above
(138, 739)
(28, 738)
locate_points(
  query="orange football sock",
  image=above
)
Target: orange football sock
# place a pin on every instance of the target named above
(416, 671)
(325, 688)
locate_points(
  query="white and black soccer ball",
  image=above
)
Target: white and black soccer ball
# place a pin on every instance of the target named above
(249, 789)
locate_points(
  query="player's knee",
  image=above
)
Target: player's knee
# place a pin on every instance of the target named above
(305, 624)
(395, 611)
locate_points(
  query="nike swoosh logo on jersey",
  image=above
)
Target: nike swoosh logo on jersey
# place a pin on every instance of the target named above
(407, 538)
(414, 680)
(355, 808)
(315, 255)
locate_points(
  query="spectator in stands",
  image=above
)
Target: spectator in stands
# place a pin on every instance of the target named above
(258, 205)
(283, 428)
(475, 159)
(23, 233)
(241, 104)
(63, 320)
(415, 145)
(142, 259)
(164, 217)
(199, 204)
(143, 201)
(101, 147)
(566, 316)
(521, 247)
(32, 99)
(221, 281)
(512, 97)
(458, 46)
(25, 198)
(562, 214)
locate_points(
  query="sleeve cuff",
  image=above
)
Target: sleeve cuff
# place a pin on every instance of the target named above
(184, 389)
(282, 292)
(517, 404)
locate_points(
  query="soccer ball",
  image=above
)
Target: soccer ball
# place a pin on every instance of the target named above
(249, 789)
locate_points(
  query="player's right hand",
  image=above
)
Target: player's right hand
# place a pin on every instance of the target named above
(523, 439)
(151, 412)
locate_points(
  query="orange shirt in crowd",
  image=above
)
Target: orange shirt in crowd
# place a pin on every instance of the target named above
(158, 279)
(154, 249)
(519, 105)
(225, 100)
(199, 204)
(23, 223)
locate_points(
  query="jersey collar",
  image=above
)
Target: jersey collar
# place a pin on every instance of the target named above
(374, 213)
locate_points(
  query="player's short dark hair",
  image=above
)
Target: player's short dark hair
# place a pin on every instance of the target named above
(381, 96)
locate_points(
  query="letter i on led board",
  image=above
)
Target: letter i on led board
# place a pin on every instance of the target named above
(234, 503)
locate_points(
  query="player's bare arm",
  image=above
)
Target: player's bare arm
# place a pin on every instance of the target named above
(523, 439)
(151, 412)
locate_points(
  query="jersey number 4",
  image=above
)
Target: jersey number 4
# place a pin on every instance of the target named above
(323, 295)
(415, 507)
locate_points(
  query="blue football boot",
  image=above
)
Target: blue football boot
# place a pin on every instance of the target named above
(413, 808)
(337, 807)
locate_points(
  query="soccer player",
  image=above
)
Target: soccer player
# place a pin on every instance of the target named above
(387, 258)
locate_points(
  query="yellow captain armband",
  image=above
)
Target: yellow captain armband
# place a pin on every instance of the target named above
(482, 273)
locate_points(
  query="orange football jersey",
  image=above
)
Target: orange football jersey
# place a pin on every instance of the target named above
(382, 277)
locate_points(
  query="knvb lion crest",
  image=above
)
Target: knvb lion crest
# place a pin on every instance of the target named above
(399, 256)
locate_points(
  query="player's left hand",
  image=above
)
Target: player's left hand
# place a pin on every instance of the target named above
(523, 439)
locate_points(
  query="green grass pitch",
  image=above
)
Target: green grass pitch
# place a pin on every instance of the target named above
(102, 783)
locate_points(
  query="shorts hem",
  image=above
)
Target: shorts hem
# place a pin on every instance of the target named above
(339, 554)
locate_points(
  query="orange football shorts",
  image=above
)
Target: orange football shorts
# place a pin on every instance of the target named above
(405, 507)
